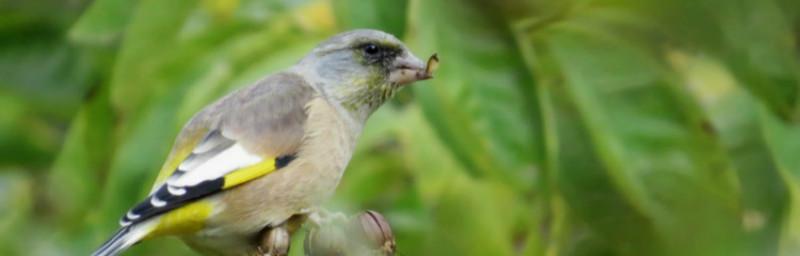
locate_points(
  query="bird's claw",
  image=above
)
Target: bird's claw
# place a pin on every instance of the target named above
(275, 242)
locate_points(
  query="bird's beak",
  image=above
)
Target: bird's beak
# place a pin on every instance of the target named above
(407, 69)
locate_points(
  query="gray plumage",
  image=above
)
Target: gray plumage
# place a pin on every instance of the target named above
(268, 119)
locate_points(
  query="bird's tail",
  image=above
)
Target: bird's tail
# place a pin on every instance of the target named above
(122, 239)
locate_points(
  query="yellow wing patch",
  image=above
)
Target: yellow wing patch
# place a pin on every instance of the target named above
(249, 173)
(192, 217)
(184, 220)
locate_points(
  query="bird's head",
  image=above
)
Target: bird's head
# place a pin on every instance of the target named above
(362, 69)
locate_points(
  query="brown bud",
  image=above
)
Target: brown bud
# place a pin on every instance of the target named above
(275, 242)
(375, 229)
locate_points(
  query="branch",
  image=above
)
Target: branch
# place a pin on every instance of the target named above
(367, 233)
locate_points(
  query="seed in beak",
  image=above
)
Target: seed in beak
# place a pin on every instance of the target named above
(432, 65)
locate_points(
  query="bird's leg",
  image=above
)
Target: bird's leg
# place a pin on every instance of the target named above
(276, 240)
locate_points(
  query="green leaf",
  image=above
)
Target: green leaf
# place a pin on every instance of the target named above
(735, 119)
(644, 141)
(782, 139)
(768, 67)
(479, 101)
(588, 189)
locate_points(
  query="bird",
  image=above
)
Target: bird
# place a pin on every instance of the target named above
(267, 153)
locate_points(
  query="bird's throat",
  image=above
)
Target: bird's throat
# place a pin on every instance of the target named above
(366, 96)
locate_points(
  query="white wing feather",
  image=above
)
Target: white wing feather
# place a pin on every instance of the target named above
(229, 160)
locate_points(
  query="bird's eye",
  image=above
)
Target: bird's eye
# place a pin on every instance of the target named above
(371, 49)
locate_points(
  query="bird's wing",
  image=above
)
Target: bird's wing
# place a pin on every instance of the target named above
(245, 135)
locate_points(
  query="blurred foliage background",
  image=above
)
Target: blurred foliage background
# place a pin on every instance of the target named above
(553, 127)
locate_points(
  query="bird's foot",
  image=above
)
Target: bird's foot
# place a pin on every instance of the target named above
(275, 242)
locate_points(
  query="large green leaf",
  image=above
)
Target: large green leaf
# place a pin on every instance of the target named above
(783, 140)
(754, 38)
(589, 190)
(477, 103)
(644, 141)
(734, 119)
